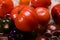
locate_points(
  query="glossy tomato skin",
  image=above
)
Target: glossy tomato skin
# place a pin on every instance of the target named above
(6, 7)
(8, 4)
(43, 15)
(40, 3)
(25, 2)
(26, 20)
(56, 13)
(16, 11)
(2, 11)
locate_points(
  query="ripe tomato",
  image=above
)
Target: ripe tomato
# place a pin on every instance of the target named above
(56, 13)
(15, 12)
(40, 3)
(8, 5)
(42, 15)
(25, 2)
(5, 7)
(2, 12)
(26, 20)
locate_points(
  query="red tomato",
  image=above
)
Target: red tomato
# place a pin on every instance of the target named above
(26, 20)
(16, 11)
(25, 2)
(56, 13)
(8, 5)
(5, 7)
(42, 15)
(40, 3)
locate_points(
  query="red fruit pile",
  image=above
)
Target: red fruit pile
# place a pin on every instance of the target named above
(33, 17)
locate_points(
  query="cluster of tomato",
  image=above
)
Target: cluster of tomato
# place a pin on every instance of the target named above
(30, 16)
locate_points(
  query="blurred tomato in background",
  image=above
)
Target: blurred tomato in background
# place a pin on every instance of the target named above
(25, 2)
(5, 7)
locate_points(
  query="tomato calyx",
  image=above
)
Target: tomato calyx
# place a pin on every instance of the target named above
(20, 10)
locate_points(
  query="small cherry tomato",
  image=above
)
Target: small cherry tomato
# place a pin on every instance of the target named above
(8, 5)
(16, 11)
(25, 2)
(40, 3)
(5, 7)
(56, 13)
(43, 15)
(26, 20)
